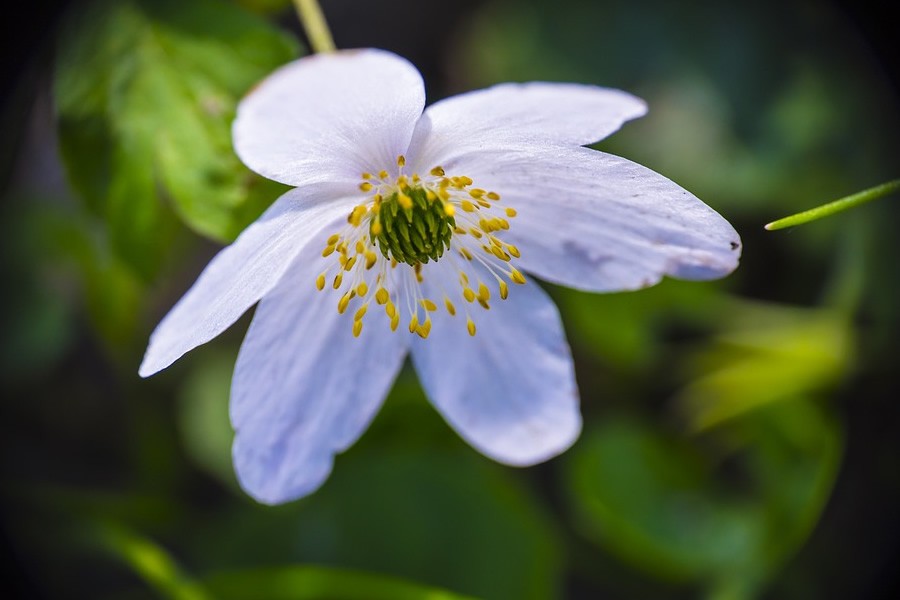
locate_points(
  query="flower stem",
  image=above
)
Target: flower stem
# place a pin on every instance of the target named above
(837, 206)
(310, 14)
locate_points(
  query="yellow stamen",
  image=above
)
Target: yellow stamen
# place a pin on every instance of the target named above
(343, 302)
(407, 221)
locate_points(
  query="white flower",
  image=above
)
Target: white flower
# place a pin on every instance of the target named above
(403, 229)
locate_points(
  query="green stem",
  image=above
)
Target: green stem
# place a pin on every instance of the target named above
(314, 23)
(837, 206)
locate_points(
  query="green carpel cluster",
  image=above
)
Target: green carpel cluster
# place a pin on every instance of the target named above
(414, 234)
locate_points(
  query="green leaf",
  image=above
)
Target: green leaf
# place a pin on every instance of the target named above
(672, 505)
(318, 583)
(145, 92)
(112, 294)
(150, 561)
(161, 572)
(765, 353)
(203, 414)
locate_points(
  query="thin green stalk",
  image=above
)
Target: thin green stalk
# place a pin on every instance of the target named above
(837, 206)
(314, 23)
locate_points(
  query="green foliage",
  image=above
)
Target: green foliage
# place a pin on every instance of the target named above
(414, 502)
(319, 583)
(723, 512)
(765, 354)
(145, 92)
(161, 571)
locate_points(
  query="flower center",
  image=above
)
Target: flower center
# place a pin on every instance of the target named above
(411, 228)
(434, 226)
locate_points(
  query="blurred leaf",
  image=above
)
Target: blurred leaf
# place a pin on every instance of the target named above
(410, 499)
(37, 327)
(145, 92)
(264, 7)
(725, 513)
(161, 572)
(112, 293)
(203, 414)
(765, 353)
(318, 583)
(627, 330)
(152, 563)
(443, 518)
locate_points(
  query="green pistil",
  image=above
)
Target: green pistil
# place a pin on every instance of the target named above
(412, 235)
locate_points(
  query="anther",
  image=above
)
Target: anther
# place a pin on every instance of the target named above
(343, 303)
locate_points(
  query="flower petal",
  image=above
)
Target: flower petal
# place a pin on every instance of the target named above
(330, 117)
(520, 114)
(598, 222)
(240, 274)
(304, 388)
(510, 390)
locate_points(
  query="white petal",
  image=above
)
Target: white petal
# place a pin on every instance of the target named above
(330, 117)
(598, 222)
(517, 114)
(240, 274)
(304, 388)
(510, 390)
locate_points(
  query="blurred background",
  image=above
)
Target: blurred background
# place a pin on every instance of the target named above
(741, 437)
